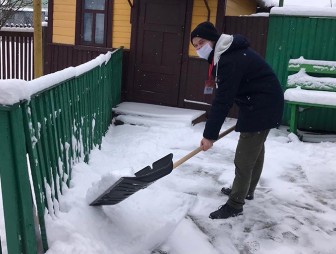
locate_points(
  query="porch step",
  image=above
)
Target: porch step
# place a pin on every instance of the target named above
(156, 115)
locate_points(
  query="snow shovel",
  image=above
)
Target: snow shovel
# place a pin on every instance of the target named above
(126, 186)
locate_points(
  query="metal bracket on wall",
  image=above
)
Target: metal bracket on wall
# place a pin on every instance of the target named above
(130, 3)
(207, 6)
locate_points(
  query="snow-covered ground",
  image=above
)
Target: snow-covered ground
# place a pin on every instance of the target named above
(293, 212)
(294, 209)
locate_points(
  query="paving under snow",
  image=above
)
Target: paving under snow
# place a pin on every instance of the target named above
(293, 212)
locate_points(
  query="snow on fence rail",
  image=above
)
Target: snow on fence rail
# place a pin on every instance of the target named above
(57, 119)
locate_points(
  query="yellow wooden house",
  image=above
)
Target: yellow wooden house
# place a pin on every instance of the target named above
(160, 65)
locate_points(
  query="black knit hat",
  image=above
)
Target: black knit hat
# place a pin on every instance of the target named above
(205, 30)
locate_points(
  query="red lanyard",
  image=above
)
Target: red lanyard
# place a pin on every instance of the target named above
(210, 69)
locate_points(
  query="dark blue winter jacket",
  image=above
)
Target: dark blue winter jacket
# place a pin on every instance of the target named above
(245, 78)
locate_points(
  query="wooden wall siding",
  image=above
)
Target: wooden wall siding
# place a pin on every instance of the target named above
(121, 30)
(254, 28)
(61, 56)
(197, 70)
(197, 74)
(64, 18)
(240, 7)
(200, 14)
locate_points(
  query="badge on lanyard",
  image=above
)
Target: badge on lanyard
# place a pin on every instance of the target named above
(210, 83)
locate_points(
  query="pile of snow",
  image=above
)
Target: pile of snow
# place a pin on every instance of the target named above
(98, 188)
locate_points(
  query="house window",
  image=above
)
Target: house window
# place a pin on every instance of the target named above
(94, 22)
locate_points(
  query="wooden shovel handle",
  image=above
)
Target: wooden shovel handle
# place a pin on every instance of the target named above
(199, 149)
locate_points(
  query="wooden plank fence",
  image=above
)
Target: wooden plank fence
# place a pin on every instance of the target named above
(57, 126)
(17, 52)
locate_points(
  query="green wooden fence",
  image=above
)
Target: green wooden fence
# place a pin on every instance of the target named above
(56, 127)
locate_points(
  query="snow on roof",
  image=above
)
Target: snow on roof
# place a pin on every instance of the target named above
(17, 29)
(304, 11)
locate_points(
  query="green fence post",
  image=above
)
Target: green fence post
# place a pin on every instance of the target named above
(35, 152)
(16, 191)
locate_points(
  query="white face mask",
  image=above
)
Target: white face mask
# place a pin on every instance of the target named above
(205, 51)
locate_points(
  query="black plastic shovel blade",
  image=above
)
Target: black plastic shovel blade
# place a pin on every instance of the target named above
(126, 186)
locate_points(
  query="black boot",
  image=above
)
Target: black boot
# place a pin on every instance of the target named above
(227, 191)
(225, 211)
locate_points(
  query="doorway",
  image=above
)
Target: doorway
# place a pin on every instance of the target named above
(157, 50)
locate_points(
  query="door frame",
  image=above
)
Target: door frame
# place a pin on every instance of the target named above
(135, 12)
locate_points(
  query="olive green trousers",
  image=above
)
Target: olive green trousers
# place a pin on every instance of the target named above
(249, 161)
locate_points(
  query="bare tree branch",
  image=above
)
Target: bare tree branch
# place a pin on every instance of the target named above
(9, 7)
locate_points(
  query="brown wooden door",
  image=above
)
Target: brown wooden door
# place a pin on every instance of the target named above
(159, 51)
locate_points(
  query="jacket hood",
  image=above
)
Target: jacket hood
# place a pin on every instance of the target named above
(228, 43)
(223, 44)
